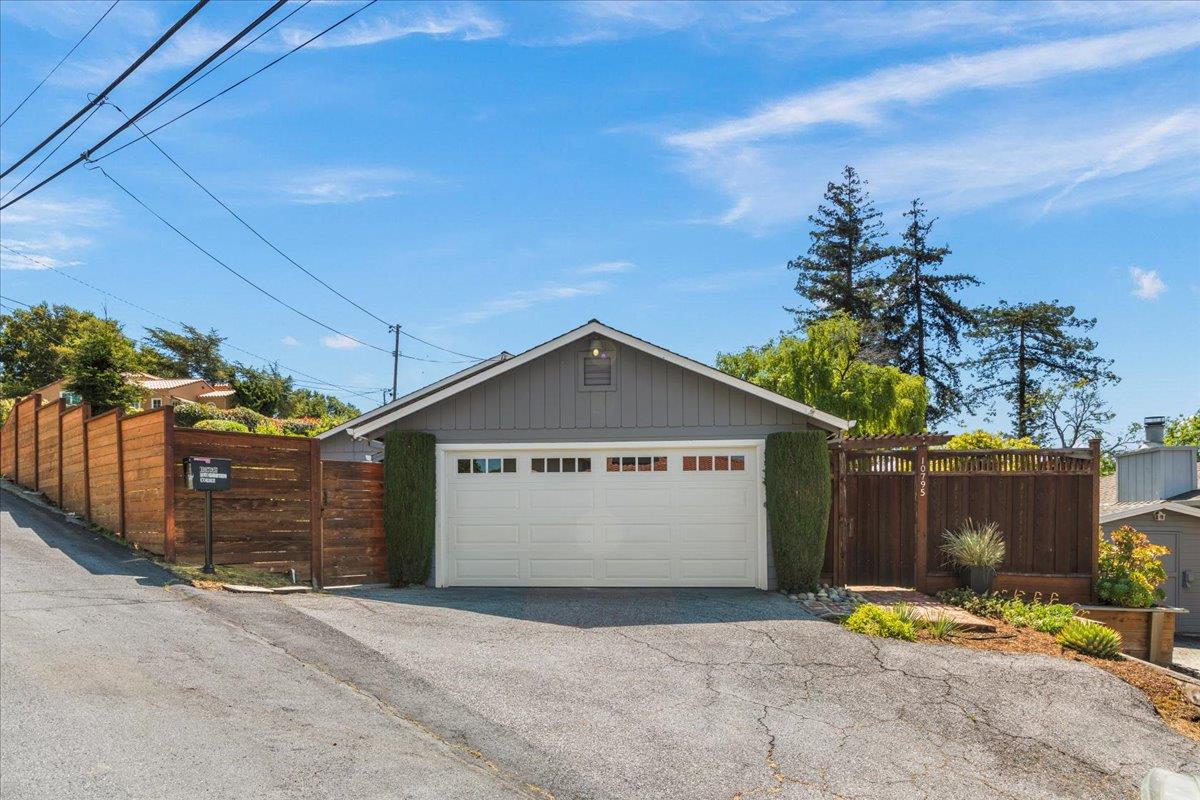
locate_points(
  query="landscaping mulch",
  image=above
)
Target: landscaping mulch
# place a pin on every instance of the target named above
(1162, 690)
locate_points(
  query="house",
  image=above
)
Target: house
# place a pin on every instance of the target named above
(157, 392)
(594, 459)
(1155, 490)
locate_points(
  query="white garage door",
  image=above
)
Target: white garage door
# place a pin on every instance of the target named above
(617, 515)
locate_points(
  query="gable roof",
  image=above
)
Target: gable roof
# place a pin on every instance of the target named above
(373, 421)
(1118, 511)
(364, 418)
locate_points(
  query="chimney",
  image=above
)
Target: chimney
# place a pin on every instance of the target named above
(1154, 429)
(1155, 471)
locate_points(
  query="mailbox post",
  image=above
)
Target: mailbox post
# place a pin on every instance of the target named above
(208, 475)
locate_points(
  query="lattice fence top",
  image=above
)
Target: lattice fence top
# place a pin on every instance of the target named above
(973, 462)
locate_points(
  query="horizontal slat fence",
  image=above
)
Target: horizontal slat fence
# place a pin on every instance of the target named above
(48, 462)
(25, 415)
(74, 460)
(352, 523)
(103, 473)
(264, 520)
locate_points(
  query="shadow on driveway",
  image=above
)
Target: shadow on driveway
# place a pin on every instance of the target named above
(90, 550)
(597, 608)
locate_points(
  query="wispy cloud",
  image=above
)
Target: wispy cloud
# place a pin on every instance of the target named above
(1146, 283)
(338, 341)
(519, 301)
(606, 268)
(348, 184)
(465, 22)
(290, 341)
(863, 101)
(724, 281)
(55, 232)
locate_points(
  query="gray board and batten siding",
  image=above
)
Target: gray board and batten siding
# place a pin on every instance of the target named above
(546, 400)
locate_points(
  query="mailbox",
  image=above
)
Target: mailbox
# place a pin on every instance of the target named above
(204, 474)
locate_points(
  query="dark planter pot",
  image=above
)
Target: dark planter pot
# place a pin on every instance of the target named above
(978, 579)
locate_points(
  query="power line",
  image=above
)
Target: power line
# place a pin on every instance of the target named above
(47, 157)
(116, 82)
(170, 321)
(233, 271)
(272, 245)
(33, 91)
(236, 84)
(146, 109)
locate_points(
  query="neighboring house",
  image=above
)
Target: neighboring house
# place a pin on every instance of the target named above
(594, 459)
(1155, 490)
(157, 392)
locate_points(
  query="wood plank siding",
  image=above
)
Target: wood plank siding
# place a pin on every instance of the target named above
(545, 400)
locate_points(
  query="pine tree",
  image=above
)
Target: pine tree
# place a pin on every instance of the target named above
(838, 274)
(923, 321)
(192, 353)
(1025, 344)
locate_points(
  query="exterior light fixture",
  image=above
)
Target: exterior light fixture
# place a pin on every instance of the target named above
(596, 348)
(1160, 515)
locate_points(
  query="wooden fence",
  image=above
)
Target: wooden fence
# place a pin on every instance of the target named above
(891, 508)
(288, 511)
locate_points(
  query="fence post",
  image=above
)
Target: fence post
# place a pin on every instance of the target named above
(120, 476)
(168, 415)
(843, 518)
(921, 505)
(37, 445)
(1094, 446)
(85, 415)
(317, 529)
(62, 407)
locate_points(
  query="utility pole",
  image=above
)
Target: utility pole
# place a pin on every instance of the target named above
(395, 357)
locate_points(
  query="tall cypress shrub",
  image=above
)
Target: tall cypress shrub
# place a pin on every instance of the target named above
(798, 499)
(409, 504)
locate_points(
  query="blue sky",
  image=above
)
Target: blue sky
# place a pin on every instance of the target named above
(491, 175)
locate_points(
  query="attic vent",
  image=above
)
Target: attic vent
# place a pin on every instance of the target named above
(597, 371)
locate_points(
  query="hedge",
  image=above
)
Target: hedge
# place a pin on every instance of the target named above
(409, 492)
(798, 500)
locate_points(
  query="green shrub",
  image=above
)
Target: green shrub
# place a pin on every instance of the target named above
(990, 604)
(300, 427)
(409, 496)
(188, 414)
(226, 425)
(268, 427)
(798, 498)
(872, 620)
(1131, 569)
(247, 416)
(1044, 617)
(1090, 638)
(974, 544)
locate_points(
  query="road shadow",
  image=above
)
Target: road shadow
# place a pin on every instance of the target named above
(596, 608)
(94, 552)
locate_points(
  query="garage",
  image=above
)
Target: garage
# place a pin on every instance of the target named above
(593, 459)
(621, 514)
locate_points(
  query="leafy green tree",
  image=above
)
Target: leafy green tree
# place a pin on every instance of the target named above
(30, 346)
(923, 320)
(192, 353)
(309, 403)
(824, 371)
(95, 359)
(980, 439)
(1183, 430)
(1026, 344)
(262, 390)
(839, 273)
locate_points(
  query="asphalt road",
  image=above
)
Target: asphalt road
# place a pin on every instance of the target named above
(115, 684)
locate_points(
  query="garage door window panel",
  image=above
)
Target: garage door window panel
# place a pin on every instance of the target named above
(559, 464)
(636, 464)
(714, 463)
(486, 466)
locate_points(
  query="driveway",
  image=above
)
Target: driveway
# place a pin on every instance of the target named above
(114, 683)
(733, 693)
